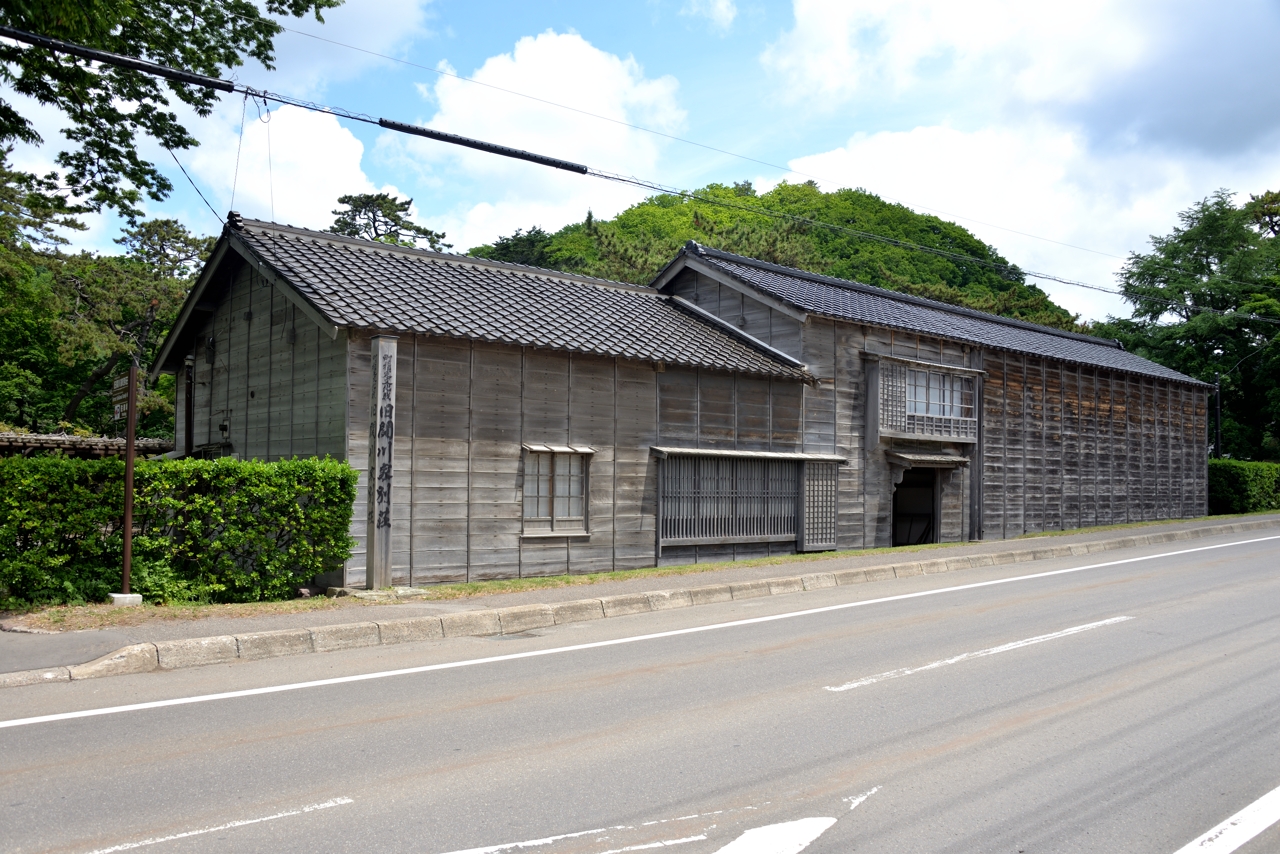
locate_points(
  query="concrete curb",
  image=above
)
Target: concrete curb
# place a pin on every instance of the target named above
(197, 652)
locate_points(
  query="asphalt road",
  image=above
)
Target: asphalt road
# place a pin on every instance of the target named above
(1130, 707)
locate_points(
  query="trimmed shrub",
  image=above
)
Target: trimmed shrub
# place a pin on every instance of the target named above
(204, 530)
(1242, 487)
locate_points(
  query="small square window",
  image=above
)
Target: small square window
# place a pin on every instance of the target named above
(555, 492)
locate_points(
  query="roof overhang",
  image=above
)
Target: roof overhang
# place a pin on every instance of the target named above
(688, 260)
(728, 327)
(925, 461)
(664, 452)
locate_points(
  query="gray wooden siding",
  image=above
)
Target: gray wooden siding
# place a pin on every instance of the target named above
(464, 409)
(870, 489)
(708, 409)
(1068, 447)
(276, 379)
(752, 316)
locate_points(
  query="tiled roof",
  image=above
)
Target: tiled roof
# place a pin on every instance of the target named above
(359, 283)
(861, 303)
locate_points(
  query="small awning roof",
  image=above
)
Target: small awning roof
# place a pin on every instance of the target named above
(927, 461)
(758, 455)
(558, 449)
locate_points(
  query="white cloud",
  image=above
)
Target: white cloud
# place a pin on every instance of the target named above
(1041, 179)
(304, 66)
(1091, 123)
(562, 67)
(839, 49)
(298, 165)
(720, 12)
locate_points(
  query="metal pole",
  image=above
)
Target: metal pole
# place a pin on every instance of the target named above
(131, 422)
(1217, 419)
(189, 407)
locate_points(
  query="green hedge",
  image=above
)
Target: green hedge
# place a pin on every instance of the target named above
(204, 530)
(1240, 487)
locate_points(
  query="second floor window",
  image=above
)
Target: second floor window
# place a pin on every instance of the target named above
(938, 394)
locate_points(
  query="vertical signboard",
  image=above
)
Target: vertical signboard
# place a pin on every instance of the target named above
(382, 430)
(120, 398)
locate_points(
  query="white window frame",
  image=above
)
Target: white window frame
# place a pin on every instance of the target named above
(940, 394)
(926, 400)
(552, 484)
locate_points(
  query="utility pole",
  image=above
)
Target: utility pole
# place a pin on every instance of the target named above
(131, 423)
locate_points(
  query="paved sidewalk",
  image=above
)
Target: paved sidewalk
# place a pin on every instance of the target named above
(22, 651)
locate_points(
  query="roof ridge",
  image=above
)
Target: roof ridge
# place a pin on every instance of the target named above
(698, 248)
(367, 245)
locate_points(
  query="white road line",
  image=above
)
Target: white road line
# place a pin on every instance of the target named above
(360, 677)
(666, 843)
(534, 843)
(1238, 829)
(858, 799)
(547, 840)
(336, 802)
(789, 837)
(907, 671)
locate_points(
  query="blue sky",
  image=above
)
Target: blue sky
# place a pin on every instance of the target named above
(1062, 134)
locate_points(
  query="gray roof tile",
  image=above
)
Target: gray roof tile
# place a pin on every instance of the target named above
(861, 303)
(359, 283)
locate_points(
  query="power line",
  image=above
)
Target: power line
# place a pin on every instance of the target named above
(1007, 270)
(663, 134)
(193, 184)
(713, 148)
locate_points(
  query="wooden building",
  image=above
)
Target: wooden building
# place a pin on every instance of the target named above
(511, 421)
(960, 425)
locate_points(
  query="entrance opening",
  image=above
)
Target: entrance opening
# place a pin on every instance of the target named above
(914, 502)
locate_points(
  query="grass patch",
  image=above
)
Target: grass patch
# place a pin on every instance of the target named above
(465, 590)
(74, 618)
(79, 617)
(1126, 525)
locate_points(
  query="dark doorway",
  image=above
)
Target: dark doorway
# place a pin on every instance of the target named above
(913, 508)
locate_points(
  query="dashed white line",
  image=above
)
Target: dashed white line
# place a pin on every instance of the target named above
(858, 799)
(336, 802)
(1238, 829)
(907, 671)
(536, 653)
(548, 840)
(535, 843)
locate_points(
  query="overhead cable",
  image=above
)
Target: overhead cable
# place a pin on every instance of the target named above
(1008, 270)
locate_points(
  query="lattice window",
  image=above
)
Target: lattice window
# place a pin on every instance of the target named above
(719, 500)
(893, 396)
(708, 500)
(922, 402)
(555, 490)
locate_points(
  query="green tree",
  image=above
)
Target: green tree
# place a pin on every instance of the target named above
(69, 322)
(108, 108)
(31, 217)
(384, 218)
(531, 248)
(637, 243)
(113, 308)
(1206, 302)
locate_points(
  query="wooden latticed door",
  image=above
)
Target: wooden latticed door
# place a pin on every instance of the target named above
(818, 514)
